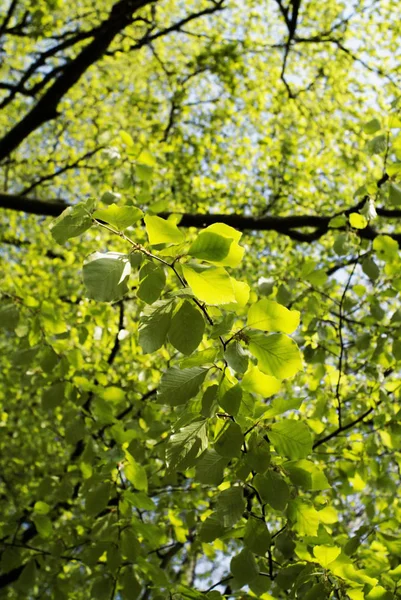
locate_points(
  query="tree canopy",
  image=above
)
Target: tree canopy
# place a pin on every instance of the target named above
(200, 302)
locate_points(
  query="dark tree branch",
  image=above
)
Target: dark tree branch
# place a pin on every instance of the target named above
(289, 226)
(45, 110)
(7, 18)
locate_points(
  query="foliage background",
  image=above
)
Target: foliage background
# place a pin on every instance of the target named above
(248, 113)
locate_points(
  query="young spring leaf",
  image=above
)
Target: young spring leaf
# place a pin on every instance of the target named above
(256, 382)
(231, 505)
(291, 438)
(119, 217)
(152, 281)
(212, 285)
(257, 537)
(154, 324)
(277, 354)
(357, 221)
(272, 316)
(273, 489)
(231, 400)
(210, 468)
(236, 252)
(236, 358)
(179, 385)
(184, 446)
(210, 247)
(72, 222)
(162, 231)
(230, 441)
(243, 567)
(106, 276)
(187, 328)
(307, 475)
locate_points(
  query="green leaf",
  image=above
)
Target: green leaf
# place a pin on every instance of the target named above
(186, 445)
(210, 246)
(258, 457)
(338, 221)
(54, 395)
(231, 505)
(256, 382)
(127, 139)
(102, 588)
(179, 385)
(372, 126)
(307, 475)
(72, 222)
(277, 354)
(210, 468)
(106, 276)
(272, 316)
(209, 401)
(257, 537)
(131, 587)
(291, 438)
(211, 528)
(370, 268)
(129, 544)
(9, 316)
(110, 197)
(212, 285)
(41, 508)
(326, 554)
(272, 489)
(43, 524)
(231, 400)
(243, 567)
(385, 247)
(161, 231)
(304, 517)
(377, 145)
(97, 498)
(236, 252)
(187, 328)
(393, 169)
(379, 593)
(394, 194)
(357, 221)
(135, 473)
(201, 358)
(152, 281)
(281, 405)
(154, 324)
(230, 441)
(119, 217)
(236, 358)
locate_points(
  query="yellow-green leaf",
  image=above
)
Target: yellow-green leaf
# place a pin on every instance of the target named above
(357, 221)
(326, 554)
(272, 316)
(256, 382)
(162, 231)
(212, 285)
(120, 217)
(277, 354)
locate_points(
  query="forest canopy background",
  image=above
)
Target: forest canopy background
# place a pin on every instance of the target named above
(199, 356)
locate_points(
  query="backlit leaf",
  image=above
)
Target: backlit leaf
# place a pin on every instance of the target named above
(119, 217)
(106, 276)
(212, 285)
(277, 354)
(162, 231)
(272, 316)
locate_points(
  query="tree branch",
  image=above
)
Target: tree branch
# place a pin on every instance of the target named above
(45, 110)
(288, 225)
